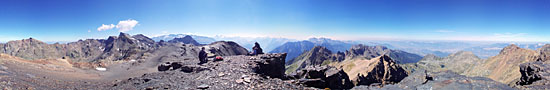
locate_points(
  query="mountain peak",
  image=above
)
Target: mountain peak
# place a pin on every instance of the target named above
(544, 53)
(121, 34)
(386, 58)
(186, 40)
(510, 48)
(319, 49)
(30, 40)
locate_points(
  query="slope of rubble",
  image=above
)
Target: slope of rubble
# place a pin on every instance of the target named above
(446, 80)
(241, 72)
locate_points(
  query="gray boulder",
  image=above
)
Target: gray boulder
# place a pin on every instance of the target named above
(324, 77)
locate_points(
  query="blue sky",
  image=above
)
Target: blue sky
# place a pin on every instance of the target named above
(483, 20)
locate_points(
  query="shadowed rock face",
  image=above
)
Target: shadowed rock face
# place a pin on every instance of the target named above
(446, 80)
(384, 72)
(324, 77)
(272, 65)
(531, 72)
(536, 74)
(186, 40)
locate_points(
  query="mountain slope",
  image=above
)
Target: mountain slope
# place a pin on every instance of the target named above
(380, 69)
(293, 49)
(314, 57)
(458, 62)
(504, 67)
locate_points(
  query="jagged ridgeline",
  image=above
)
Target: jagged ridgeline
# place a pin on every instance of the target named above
(115, 48)
(320, 55)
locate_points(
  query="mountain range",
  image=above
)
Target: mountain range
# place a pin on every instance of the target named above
(267, 43)
(320, 55)
(139, 62)
(294, 47)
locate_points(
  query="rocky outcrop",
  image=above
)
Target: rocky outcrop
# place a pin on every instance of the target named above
(272, 65)
(369, 52)
(186, 40)
(504, 67)
(169, 66)
(324, 77)
(338, 56)
(445, 80)
(536, 74)
(384, 71)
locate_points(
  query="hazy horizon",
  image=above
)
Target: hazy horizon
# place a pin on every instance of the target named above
(451, 20)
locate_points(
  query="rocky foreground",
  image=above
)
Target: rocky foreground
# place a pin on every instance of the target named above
(234, 72)
(446, 80)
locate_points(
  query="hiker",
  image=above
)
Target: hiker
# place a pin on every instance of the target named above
(257, 49)
(202, 56)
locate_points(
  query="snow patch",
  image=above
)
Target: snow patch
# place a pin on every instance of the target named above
(101, 69)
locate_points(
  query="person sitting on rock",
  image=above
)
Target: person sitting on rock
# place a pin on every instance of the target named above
(202, 56)
(257, 49)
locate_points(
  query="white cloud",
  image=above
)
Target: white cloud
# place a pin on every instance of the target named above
(122, 26)
(126, 25)
(444, 31)
(104, 27)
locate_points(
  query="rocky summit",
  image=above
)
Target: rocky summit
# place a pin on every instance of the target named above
(234, 72)
(383, 71)
(446, 80)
